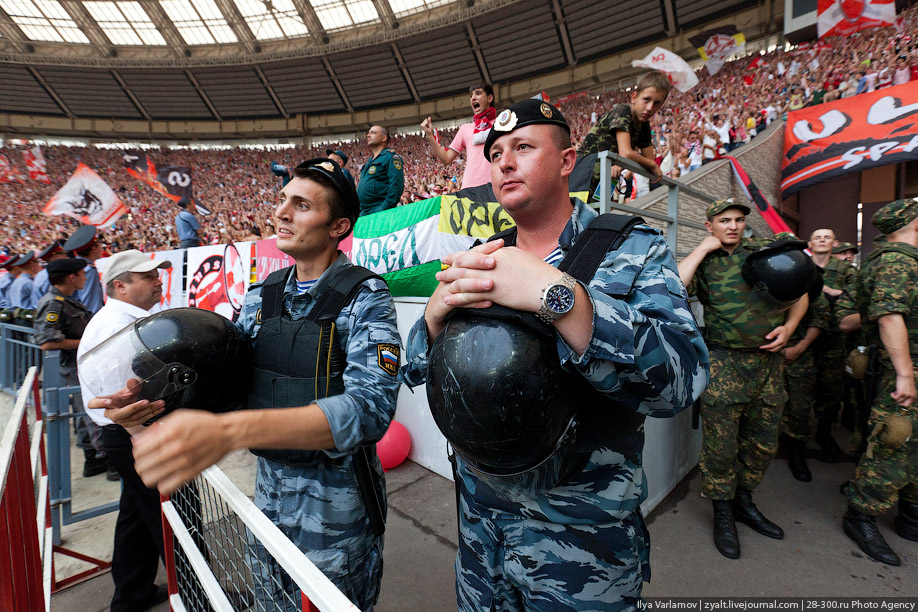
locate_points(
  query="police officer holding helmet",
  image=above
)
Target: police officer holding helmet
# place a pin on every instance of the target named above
(322, 392)
(594, 327)
(752, 305)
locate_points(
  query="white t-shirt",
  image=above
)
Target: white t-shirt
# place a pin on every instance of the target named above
(111, 318)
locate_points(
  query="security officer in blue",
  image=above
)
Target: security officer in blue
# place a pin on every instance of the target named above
(84, 243)
(323, 392)
(41, 285)
(340, 157)
(20, 292)
(6, 263)
(382, 178)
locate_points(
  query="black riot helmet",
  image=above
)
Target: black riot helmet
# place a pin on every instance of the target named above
(498, 393)
(781, 273)
(189, 357)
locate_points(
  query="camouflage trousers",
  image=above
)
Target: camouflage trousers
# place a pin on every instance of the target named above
(320, 510)
(891, 473)
(800, 382)
(740, 414)
(509, 563)
(829, 355)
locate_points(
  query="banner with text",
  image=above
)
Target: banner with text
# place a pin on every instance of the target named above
(850, 135)
(218, 277)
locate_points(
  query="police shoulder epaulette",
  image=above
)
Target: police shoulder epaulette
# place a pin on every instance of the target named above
(59, 298)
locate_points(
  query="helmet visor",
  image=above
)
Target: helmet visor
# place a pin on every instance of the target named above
(108, 367)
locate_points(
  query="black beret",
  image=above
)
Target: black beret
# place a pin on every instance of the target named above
(82, 239)
(521, 114)
(332, 171)
(66, 266)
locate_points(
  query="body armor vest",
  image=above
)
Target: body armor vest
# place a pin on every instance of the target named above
(299, 361)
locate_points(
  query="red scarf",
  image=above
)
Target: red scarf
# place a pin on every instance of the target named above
(485, 119)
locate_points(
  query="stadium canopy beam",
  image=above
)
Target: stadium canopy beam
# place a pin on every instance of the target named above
(237, 24)
(57, 99)
(561, 27)
(476, 48)
(166, 28)
(309, 17)
(386, 14)
(670, 12)
(203, 94)
(130, 94)
(90, 28)
(11, 32)
(271, 92)
(404, 68)
(338, 85)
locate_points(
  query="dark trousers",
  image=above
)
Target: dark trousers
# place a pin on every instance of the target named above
(139, 530)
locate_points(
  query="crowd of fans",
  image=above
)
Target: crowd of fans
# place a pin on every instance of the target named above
(722, 112)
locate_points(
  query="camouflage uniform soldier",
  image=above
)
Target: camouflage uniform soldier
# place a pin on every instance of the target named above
(580, 545)
(315, 478)
(887, 297)
(830, 347)
(741, 408)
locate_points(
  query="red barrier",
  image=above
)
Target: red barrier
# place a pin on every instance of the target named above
(21, 585)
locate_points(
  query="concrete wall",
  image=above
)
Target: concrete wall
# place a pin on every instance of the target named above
(761, 159)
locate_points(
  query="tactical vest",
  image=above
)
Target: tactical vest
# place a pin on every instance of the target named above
(863, 297)
(298, 362)
(602, 422)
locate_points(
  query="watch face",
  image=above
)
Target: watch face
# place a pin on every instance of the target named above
(559, 299)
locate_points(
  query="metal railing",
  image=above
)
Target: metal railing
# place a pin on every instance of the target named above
(675, 189)
(17, 355)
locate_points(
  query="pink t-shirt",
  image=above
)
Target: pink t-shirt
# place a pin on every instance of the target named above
(477, 168)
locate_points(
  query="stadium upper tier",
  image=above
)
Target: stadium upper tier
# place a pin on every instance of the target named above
(219, 60)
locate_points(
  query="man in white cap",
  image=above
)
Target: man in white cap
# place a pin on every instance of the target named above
(132, 283)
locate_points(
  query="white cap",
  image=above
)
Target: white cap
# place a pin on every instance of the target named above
(130, 261)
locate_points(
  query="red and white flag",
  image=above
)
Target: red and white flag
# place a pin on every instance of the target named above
(845, 17)
(35, 162)
(677, 69)
(7, 173)
(87, 198)
(756, 63)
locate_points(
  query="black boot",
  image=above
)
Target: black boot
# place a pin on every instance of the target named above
(796, 462)
(93, 465)
(725, 538)
(745, 512)
(824, 437)
(907, 521)
(862, 528)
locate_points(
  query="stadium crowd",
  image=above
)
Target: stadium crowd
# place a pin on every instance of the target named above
(722, 112)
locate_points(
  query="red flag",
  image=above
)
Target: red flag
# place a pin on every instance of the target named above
(845, 17)
(87, 198)
(771, 216)
(35, 162)
(7, 173)
(757, 62)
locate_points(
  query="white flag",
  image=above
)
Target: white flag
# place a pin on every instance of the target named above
(677, 69)
(845, 17)
(87, 198)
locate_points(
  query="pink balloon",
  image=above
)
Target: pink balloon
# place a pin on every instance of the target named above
(394, 446)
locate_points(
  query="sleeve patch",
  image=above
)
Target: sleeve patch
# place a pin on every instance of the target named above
(52, 317)
(398, 164)
(387, 357)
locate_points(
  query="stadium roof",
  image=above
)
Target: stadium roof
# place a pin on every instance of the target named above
(249, 59)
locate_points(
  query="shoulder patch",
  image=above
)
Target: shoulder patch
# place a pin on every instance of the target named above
(397, 163)
(387, 357)
(371, 170)
(52, 317)
(258, 317)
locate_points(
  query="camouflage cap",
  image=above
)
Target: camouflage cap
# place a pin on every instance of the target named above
(785, 236)
(895, 215)
(719, 206)
(843, 247)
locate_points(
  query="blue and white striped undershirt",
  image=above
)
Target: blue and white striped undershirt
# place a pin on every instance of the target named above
(304, 286)
(554, 257)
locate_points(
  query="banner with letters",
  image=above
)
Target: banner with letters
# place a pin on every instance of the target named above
(218, 277)
(268, 259)
(849, 135)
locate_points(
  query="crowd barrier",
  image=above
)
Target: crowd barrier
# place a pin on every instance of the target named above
(224, 554)
(25, 539)
(17, 355)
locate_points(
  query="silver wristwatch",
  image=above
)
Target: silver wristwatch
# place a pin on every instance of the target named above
(557, 299)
